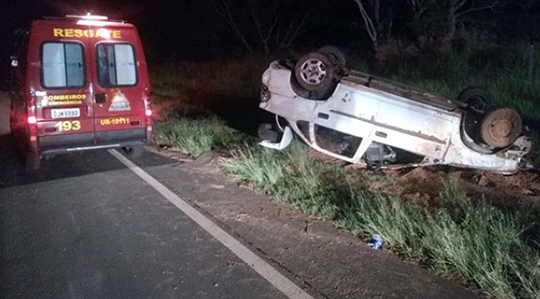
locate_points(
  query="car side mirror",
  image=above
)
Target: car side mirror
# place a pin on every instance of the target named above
(14, 61)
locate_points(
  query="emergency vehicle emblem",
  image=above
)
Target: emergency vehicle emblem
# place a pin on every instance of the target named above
(120, 103)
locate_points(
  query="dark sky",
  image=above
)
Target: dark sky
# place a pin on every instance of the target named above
(17, 14)
(190, 23)
(170, 30)
(193, 30)
(21, 12)
(154, 18)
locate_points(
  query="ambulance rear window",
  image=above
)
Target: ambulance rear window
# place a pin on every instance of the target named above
(62, 65)
(116, 65)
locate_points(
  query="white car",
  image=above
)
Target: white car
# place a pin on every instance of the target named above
(367, 120)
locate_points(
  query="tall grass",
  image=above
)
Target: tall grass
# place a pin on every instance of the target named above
(289, 176)
(502, 70)
(470, 240)
(194, 135)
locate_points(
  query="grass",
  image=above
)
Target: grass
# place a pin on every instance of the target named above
(195, 135)
(469, 239)
(502, 71)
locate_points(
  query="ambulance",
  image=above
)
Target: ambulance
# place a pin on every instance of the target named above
(80, 83)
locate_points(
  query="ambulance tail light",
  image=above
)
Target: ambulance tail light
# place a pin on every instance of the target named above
(32, 121)
(148, 109)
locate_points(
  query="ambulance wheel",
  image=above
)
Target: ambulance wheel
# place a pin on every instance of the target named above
(134, 151)
(501, 127)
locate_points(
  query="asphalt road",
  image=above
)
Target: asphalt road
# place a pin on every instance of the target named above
(85, 226)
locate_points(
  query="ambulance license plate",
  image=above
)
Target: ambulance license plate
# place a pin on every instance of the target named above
(65, 113)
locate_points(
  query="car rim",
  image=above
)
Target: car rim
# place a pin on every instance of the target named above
(313, 72)
(501, 129)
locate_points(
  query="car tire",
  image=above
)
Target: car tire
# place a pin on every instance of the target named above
(335, 54)
(500, 128)
(315, 76)
(134, 151)
(477, 98)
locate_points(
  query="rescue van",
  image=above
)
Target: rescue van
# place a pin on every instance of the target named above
(80, 83)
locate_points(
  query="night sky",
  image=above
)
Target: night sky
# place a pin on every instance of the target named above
(194, 30)
(171, 30)
(168, 31)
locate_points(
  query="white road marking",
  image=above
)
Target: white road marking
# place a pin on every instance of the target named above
(278, 280)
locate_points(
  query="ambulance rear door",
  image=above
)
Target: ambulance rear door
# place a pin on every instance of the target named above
(119, 92)
(61, 99)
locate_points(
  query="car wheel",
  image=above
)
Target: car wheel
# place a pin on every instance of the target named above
(316, 75)
(135, 151)
(478, 98)
(335, 54)
(501, 127)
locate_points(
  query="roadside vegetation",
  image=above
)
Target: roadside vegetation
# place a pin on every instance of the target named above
(194, 134)
(477, 241)
(502, 70)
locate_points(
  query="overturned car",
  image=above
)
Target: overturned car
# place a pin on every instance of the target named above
(379, 123)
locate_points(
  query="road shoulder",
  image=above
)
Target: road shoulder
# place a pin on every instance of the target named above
(331, 262)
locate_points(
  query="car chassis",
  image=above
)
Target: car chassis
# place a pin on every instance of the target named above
(363, 119)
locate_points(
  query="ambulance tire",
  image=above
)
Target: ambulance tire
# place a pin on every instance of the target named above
(133, 151)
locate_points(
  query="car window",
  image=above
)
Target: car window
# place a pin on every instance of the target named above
(116, 65)
(62, 65)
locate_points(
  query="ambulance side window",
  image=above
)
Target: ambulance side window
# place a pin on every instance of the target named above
(116, 65)
(62, 65)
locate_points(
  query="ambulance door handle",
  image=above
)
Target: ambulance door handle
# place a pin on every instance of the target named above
(101, 98)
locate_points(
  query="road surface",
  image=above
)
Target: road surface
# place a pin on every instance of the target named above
(99, 231)
(96, 225)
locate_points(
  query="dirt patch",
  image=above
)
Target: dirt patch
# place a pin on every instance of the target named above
(424, 184)
(513, 189)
